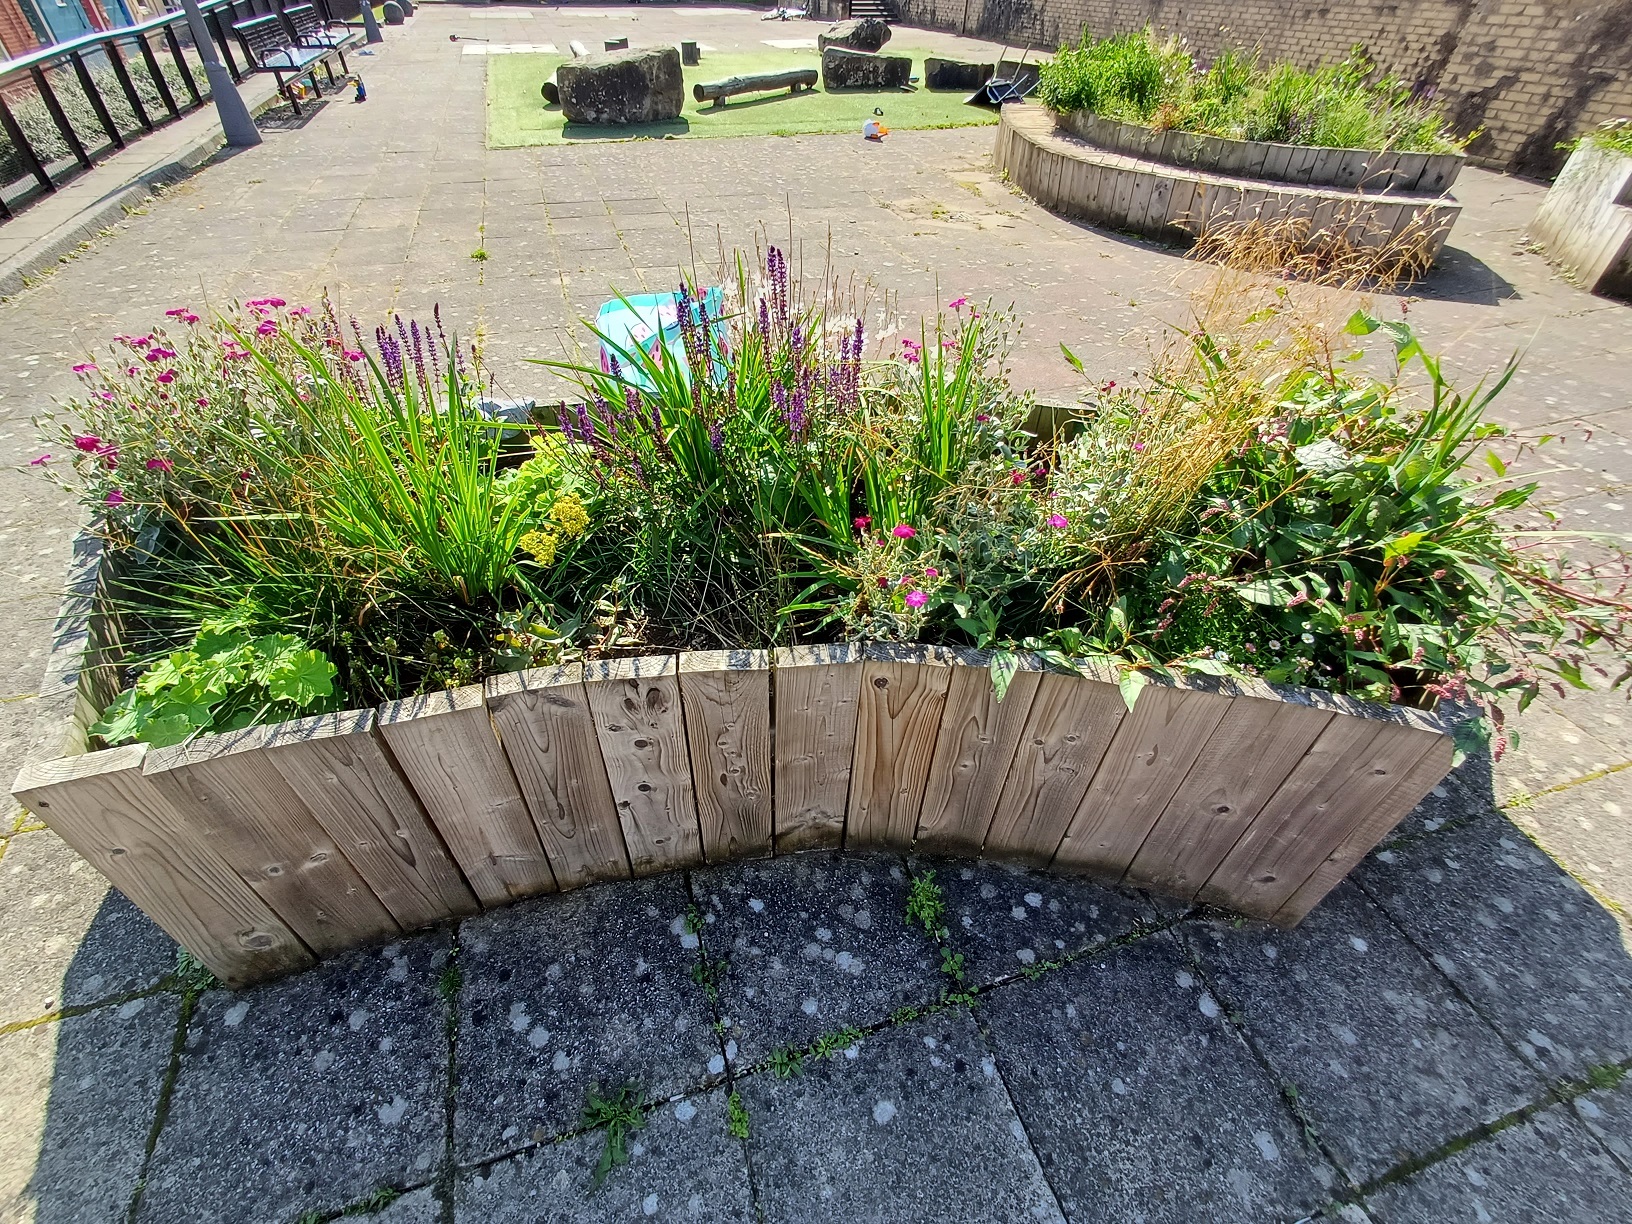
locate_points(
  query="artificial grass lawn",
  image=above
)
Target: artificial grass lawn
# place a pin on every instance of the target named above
(517, 116)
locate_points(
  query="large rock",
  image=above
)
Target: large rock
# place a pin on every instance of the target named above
(955, 74)
(842, 69)
(642, 85)
(863, 34)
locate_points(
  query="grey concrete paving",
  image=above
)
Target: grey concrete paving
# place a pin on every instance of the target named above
(1487, 1039)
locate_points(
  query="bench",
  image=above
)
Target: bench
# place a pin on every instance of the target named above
(309, 31)
(269, 47)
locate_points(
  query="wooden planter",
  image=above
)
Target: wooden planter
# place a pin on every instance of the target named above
(264, 850)
(1585, 223)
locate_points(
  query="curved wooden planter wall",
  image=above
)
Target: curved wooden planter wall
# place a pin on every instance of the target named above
(264, 850)
(1137, 193)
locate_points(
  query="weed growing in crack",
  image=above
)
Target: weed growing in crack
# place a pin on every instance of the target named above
(787, 1062)
(694, 920)
(708, 974)
(377, 1199)
(736, 1115)
(1605, 1077)
(619, 1116)
(905, 1013)
(829, 1044)
(926, 905)
(952, 964)
(192, 975)
(449, 984)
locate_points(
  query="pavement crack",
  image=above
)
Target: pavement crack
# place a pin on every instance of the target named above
(161, 1109)
(450, 986)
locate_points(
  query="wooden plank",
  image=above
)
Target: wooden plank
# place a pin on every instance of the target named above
(228, 790)
(1153, 751)
(1071, 722)
(817, 690)
(1367, 829)
(1327, 166)
(973, 751)
(726, 695)
(1144, 182)
(1127, 181)
(1246, 759)
(102, 805)
(447, 749)
(1349, 771)
(636, 704)
(903, 690)
(1300, 163)
(342, 772)
(1276, 159)
(1180, 204)
(548, 734)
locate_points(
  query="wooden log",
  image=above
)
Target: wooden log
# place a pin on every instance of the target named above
(817, 690)
(1350, 771)
(1071, 722)
(340, 769)
(229, 791)
(1154, 748)
(636, 704)
(973, 751)
(548, 734)
(726, 695)
(102, 805)
(445, 745)
(903, 690)
(793, 80)
(1246, 759)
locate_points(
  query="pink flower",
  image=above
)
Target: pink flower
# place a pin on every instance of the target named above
(168, 376)
(41, 461)
(159, 465)
(182, 313)
(267, 327)
(916, 599)
(160, 354)
(269, 301)
(85, 367)
(1018, 475)
(957, 303)
(202, 402)
(107, 395)
(883, 583)
(932, 572)
(861, 524)
(902, 532)
(88, 442)
(114, 498)
(140, 342)
(1138, 447)
(904, 580)
(1057, 521)
(299, 311)
(353, 355)
(981, 418)
(110, 457)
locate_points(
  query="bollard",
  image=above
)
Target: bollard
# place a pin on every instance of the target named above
(689, 55)
(393, 12)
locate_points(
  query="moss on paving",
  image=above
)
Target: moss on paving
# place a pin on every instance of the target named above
(517, 116)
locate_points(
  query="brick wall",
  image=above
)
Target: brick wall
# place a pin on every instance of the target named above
(1531, 73)
(16, 34)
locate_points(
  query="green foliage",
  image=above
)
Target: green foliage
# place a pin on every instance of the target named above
(709, 974)
(787, 1062)
(229, 679)
(736, 1115)
(836, 1042)
(1614, 135)
(619, 1116)
(192, 975)
(1133, 78)
(375, 1200)
(926, 905)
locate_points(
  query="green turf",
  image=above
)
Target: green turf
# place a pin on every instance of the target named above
(517, 115)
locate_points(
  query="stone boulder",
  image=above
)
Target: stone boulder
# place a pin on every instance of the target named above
(863, 34)
(393, 13)
(641, 85)
(842, 69)
(955, 74)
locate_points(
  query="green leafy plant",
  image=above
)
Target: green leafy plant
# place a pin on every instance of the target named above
(836, 1042)
(618, 1116)
(926, 904)
(229, 679)
(786, 1062)
(736, 1115)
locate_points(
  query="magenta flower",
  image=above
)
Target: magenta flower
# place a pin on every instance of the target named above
(300, 311)
(957, 303)
(267, 327)
(1018, 475)
(175, 312)
(353, 355)
(168, 376)
(160, 354)
(114, 498)
(160, 465)
(40, 461)
(107, 395)
(88, 442)
(932, 572)
(1057, 521)
(268, 301)
(140, 342)
(85, 367)
(110, 457)
(916, 599)
(861, 524)
(883, 583)
(903, 532)
(202, 402)
(1138, 447)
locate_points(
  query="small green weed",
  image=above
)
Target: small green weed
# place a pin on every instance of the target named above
(1606, 1077)
(787, 1062)
(377, 1199)
(952, 965)
(736, 1115)
(192, 975)
(479, 254)
(829, 1044)
(708, 974)
(904, 1013)
(694, 921)
(449, 984)
(619, 1116)
(926, 905)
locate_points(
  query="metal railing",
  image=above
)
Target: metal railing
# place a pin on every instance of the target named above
(66, 107)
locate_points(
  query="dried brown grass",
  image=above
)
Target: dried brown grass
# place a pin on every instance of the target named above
(1354, 250)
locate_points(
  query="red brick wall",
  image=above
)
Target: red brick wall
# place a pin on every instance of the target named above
(1532, 73)
(16, 35)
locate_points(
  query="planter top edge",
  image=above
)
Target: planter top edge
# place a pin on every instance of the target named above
(1257, 144)
(270, 735)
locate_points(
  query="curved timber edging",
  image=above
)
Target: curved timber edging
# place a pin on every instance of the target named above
(1371, 170)
(264, 850)
(1075, 178)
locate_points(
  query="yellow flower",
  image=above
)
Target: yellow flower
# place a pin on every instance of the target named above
(541, 544)
(570, 515)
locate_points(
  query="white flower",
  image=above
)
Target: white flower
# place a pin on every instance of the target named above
(1274, 643)
(1308, 637)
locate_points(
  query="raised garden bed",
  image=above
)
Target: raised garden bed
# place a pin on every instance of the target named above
(1585, 223)
(263, 850)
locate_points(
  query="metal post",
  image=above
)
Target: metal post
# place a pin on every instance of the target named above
(236, 123)
(371, 26)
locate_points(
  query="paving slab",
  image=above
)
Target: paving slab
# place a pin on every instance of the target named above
(1547, 1170)
(1387, 1060)
(1140, 1099)
(911, 1124)
(308, 1093)
(814, 942)
(1585, 825)
(1607, 1113)
(67, 937)
(78, 1098)
(1006, 919)
(416, 1207)
(1466, 793)
(684, 1164)
(1539, 957)
(564, 993)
